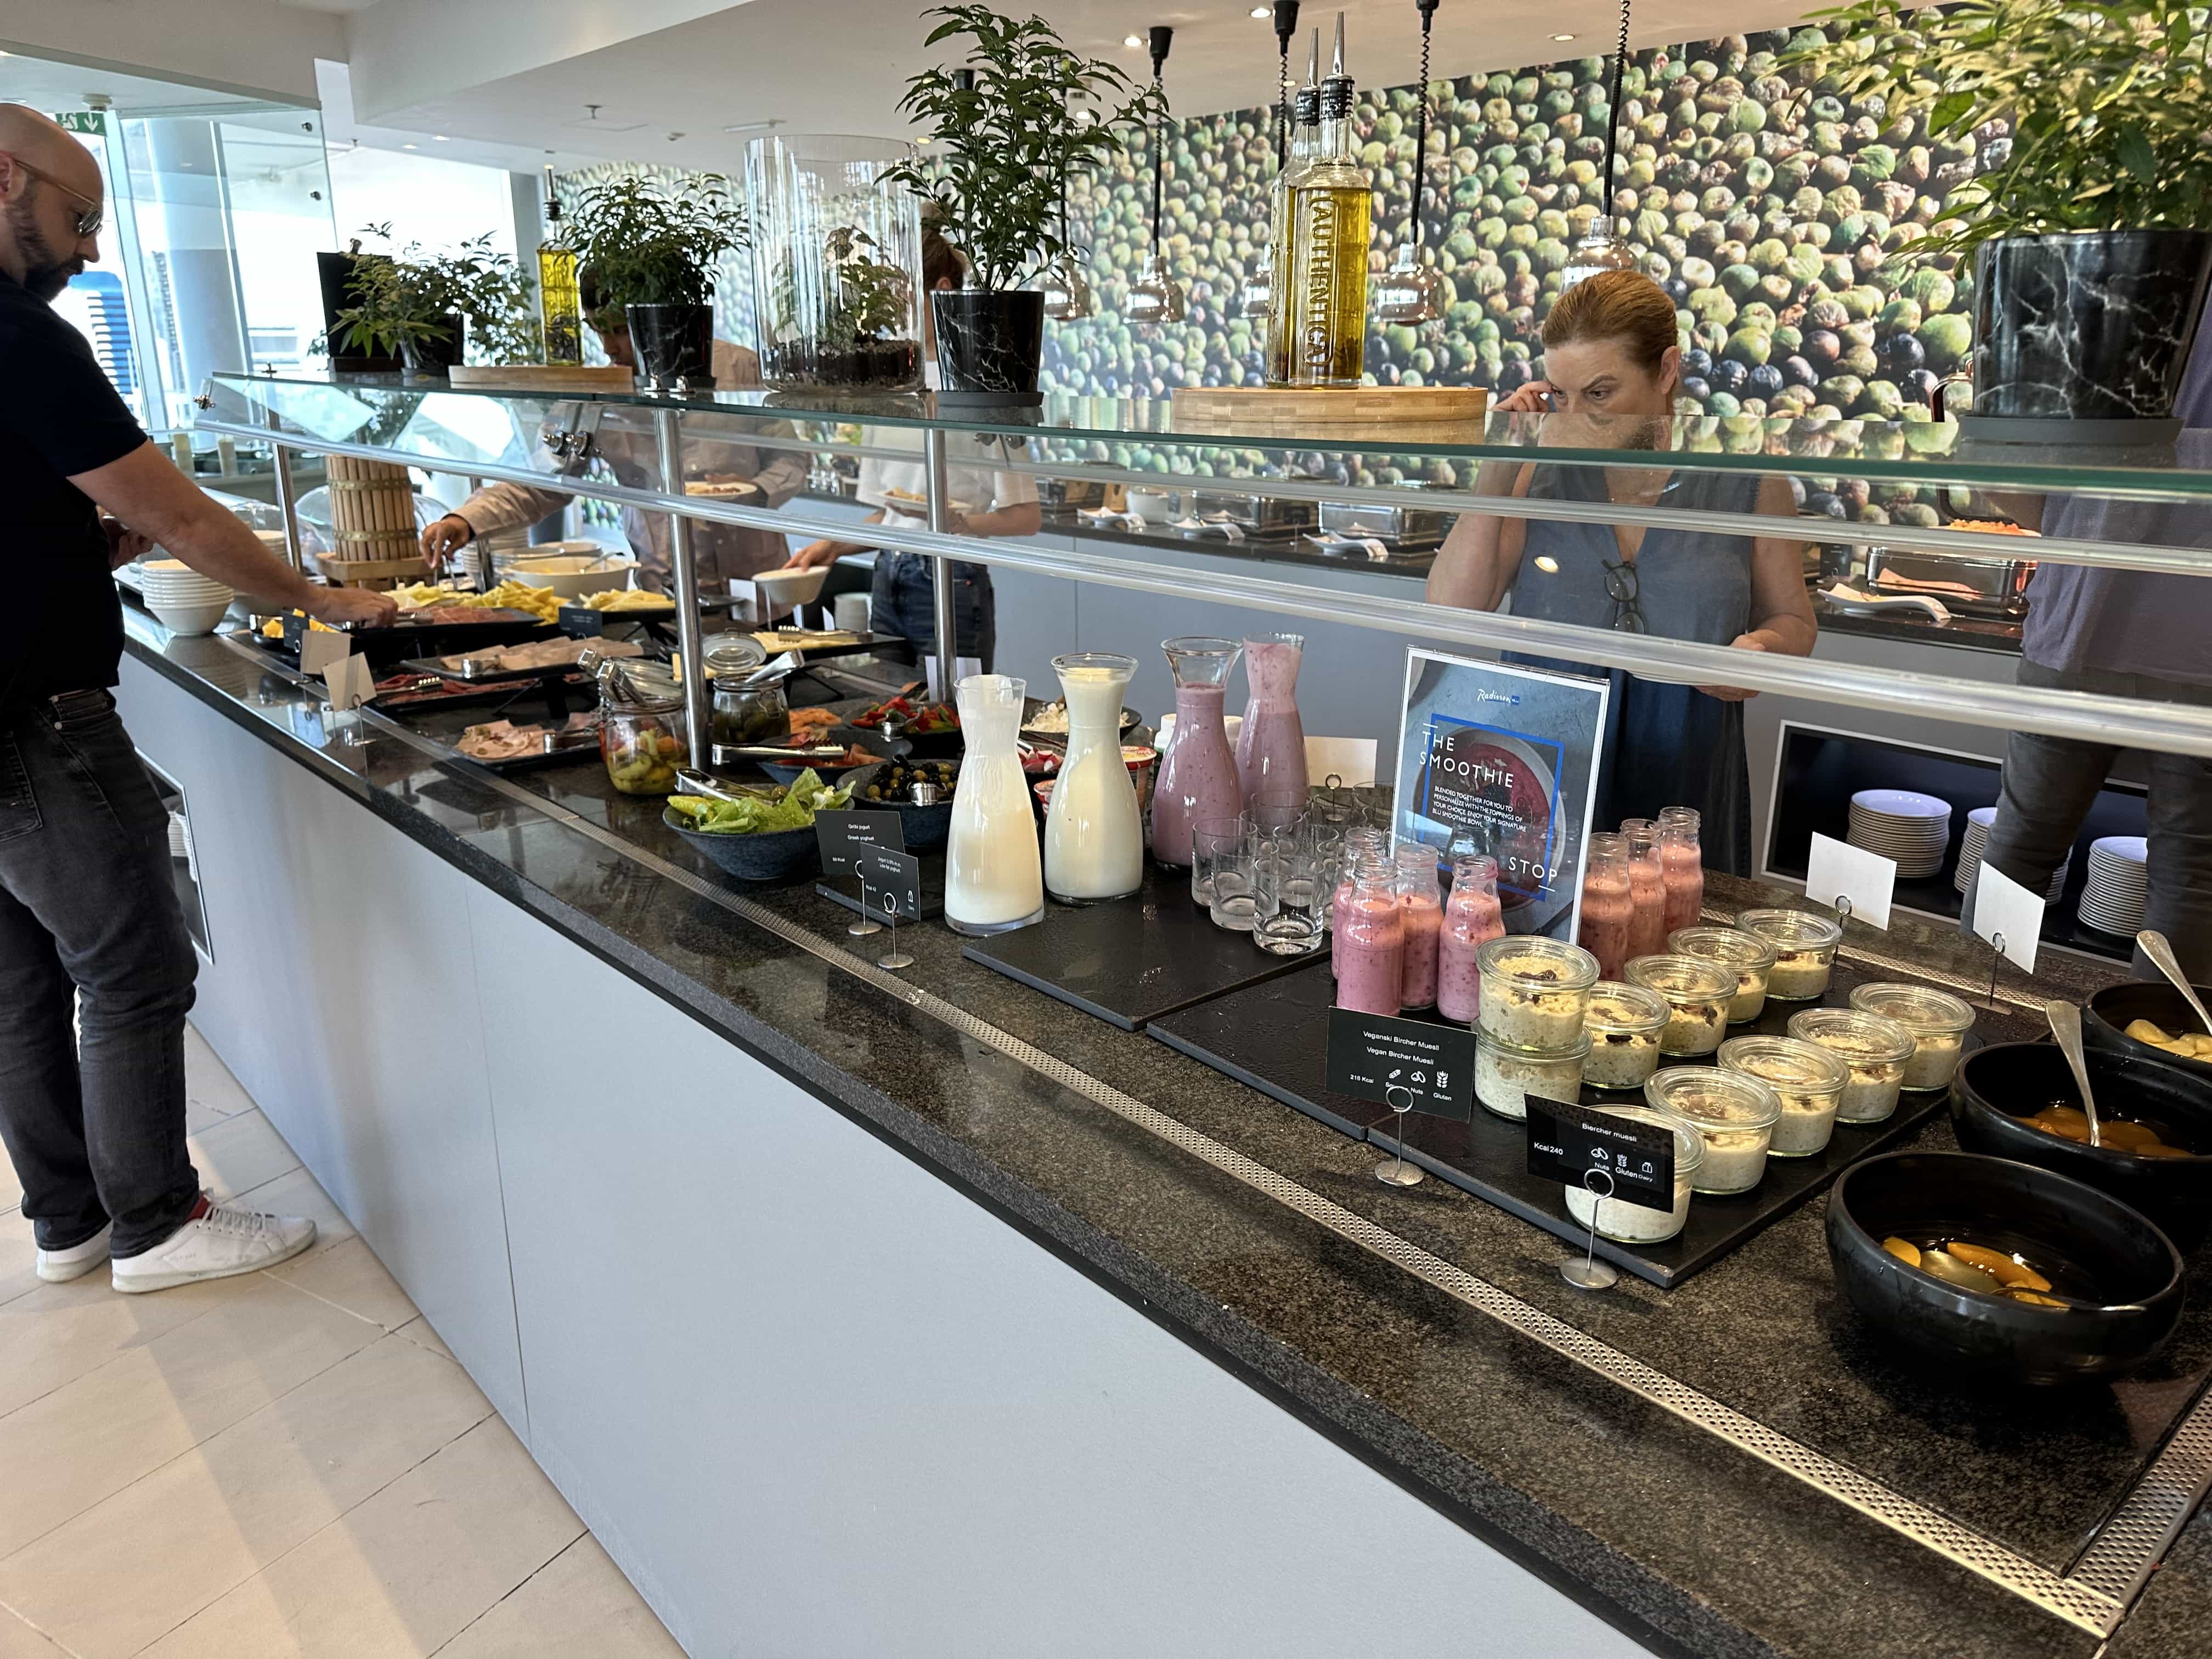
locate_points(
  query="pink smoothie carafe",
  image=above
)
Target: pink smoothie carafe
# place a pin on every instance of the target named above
(1681, 866)
(1197, 772)
(1271, 744)
(1472, 917)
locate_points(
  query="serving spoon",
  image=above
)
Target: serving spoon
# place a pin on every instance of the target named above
(2156, 946)
(2066, 1025)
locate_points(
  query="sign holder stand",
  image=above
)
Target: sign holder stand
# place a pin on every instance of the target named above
(867, 924)
(1395, 1172)
(893, 958)
(1590, 1274)
(1997, 956)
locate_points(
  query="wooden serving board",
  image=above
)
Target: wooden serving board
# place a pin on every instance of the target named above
(543, 376)
(1417, 411)
(378, 573)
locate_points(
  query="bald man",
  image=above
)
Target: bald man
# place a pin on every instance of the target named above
(93, 1118)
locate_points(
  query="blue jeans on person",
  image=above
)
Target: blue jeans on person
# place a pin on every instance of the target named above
(90, 926)
(903, 601)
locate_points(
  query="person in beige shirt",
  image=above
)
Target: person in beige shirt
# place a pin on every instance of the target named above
(625, 443)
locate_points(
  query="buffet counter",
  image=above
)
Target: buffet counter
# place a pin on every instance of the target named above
(869, 1312)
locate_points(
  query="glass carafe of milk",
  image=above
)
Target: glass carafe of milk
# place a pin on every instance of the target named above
(994, 879)
(1094, 835)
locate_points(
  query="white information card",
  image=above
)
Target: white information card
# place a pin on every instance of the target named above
(2005, 909)
(1838, 869)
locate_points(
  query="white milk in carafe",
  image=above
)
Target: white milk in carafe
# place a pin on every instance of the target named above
(994, 878)
(1094, 834)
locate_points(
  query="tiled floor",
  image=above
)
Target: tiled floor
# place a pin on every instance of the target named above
(285, 1466)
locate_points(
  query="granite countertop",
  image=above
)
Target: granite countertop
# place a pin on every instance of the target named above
(1677, 1535)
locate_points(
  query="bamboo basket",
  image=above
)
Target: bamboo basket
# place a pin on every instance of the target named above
(372, 522)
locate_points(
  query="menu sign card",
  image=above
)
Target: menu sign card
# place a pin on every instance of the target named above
(894, 881)
(1377, 1057)
(2003, 909)
(1836, 869)
(1567, 1143)
(846, 837)
(1505, 761)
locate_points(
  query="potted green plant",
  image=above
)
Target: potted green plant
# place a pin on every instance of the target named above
(1004, 142)
(650, 253)
(426, 306)
(2089, 221)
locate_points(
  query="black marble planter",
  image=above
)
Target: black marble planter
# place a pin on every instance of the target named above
(672, 343)
(2091, 325)
(432, 358)
(989, 345)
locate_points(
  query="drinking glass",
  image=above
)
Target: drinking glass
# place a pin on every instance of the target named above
(1237, 902)
(1291, 889)
(1272, 811)
(1209, 839)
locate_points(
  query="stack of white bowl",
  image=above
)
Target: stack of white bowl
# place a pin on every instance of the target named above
(2112, 900)
(182, 600)
(1976, 843)
(1903, 824)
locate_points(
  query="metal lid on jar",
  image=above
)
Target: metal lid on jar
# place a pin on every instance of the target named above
(1792, 930)
(1869, 1039)
(1918, 1007)
(1615, 1007)
(1689, 1142)
(1530, 962)
(1786, 1063)
(1733, 946)
(735, 655)
(1712, 1098)
(1682, 979)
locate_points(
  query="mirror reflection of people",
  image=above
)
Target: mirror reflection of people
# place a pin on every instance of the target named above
(990, 499)
(719, 552)
(96, 969)
(1612, 364)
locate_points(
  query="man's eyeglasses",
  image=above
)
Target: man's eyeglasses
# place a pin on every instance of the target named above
(89, 217)
(1623, 586)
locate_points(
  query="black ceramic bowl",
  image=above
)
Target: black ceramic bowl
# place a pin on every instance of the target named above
(1921, 1195)
(1995, 1087)
(924, 827)
(2106, 1015)
(763, 856)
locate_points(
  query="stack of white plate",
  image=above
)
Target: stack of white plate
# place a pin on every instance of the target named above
(1976, 843)
(1902, 825)
(2113, 902)
(184, 601)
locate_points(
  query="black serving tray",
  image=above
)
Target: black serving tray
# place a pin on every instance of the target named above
(1274, 1038)
(1131, 961)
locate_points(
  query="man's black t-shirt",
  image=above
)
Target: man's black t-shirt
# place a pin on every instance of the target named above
(61, 629)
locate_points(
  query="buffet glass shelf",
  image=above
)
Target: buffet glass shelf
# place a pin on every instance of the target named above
(2148, 509)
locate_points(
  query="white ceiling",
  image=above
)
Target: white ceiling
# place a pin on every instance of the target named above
(53, 87)
(840, 65)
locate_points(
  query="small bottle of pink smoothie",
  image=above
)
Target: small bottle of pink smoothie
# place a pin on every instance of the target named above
(1423, 902)
(1608, 909)
(1357, 844)
(1681, 866)
(1472, 917)
(1370, 954)
(1647, 888)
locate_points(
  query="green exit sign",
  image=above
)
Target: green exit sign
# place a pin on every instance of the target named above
(83, 120)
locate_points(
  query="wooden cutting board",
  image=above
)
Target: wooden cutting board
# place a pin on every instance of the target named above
(542, 377)
(1291, 411)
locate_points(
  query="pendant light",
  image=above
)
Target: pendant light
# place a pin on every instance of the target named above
(1156, 297)
(1606, 249)
(1067, 290)
(1257, 293)
(1411, 292)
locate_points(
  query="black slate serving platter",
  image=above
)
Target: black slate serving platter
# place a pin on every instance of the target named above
(1131, 961)
(1274, 1038)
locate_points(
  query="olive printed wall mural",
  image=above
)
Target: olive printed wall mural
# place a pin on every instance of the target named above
(1768, 213)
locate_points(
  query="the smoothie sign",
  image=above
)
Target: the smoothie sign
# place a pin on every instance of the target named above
(1503, 761)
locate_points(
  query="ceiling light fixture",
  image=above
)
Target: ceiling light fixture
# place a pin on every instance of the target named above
(768, 125)
(1133, 39)
(439, 138)
(403, 147)
(1604, 248)
(1562, 37)
(1261, 11)
(1411, 293)
(1155, 296)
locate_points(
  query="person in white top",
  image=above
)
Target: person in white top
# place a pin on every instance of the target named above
(988, 498)
(719, 551)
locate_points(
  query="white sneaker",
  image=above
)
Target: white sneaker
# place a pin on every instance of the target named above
(59, 1266)
(217, 1243)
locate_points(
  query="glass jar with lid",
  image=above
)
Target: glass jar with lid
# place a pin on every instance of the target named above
(743, 713)
(1627, 1223)
(1748, 956)
(1804, 951)
(1734, 1112)
(1696, 993)
(1938, 1021)
(1872, 1047)
(1535, 990)
(1808, 1081)
(1623, 1022)
(1504, 1073)
(642, 735)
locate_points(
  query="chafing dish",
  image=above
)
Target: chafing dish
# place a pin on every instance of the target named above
(1972, 583)
(1400, 526)
(1253, 513)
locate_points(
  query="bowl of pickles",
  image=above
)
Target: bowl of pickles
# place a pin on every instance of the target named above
(1985, 1269)
(2153, 1118)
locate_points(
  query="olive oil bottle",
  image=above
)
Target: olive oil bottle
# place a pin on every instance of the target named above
(559, 305)
(1331, 199)
(1305, 134)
